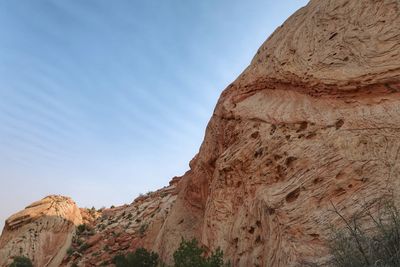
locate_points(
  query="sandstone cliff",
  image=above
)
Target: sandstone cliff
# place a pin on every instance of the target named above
(42, 231)
(314, 119)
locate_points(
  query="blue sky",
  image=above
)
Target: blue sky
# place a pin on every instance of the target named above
(102, 100)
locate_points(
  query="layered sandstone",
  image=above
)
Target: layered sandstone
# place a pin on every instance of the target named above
(313, 120)
(41, 232)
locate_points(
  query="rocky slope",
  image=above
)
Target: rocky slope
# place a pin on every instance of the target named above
(121, 229)
(313, 120)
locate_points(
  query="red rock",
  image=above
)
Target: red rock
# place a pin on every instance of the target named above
(45, 229)
(94, 239)
(313, 120)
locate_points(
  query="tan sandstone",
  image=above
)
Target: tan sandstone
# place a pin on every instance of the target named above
(314, 120)
(42, 231)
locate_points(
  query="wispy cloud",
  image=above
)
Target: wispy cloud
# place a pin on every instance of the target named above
(102, 100)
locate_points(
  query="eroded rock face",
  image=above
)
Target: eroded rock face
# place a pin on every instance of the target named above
(313, 120)
(42, 231)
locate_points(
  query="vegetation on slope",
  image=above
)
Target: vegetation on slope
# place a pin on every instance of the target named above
(189, 254)
(21, 261)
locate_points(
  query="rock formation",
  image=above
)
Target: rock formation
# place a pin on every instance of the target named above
(122, 229)
(313, 120)
(42, 231)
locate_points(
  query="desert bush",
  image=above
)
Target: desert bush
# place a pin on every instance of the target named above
(83, 247)
(70, 251)
(142, 229)
(21, 261)
(216, 259)
(82, 228)
(368, 238)
(140, 258)
(190, 254)
(92, 211)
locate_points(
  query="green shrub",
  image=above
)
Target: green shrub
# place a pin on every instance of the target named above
(70, 251)
(21, 261)
(368, 239)
(143, 229)
(216, 259)
(141, 258)
(82, 228)
(79, 241)
(92, 211)
(190, 254)
(83, 247)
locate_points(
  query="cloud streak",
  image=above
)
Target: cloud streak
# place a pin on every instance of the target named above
(103, 100)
